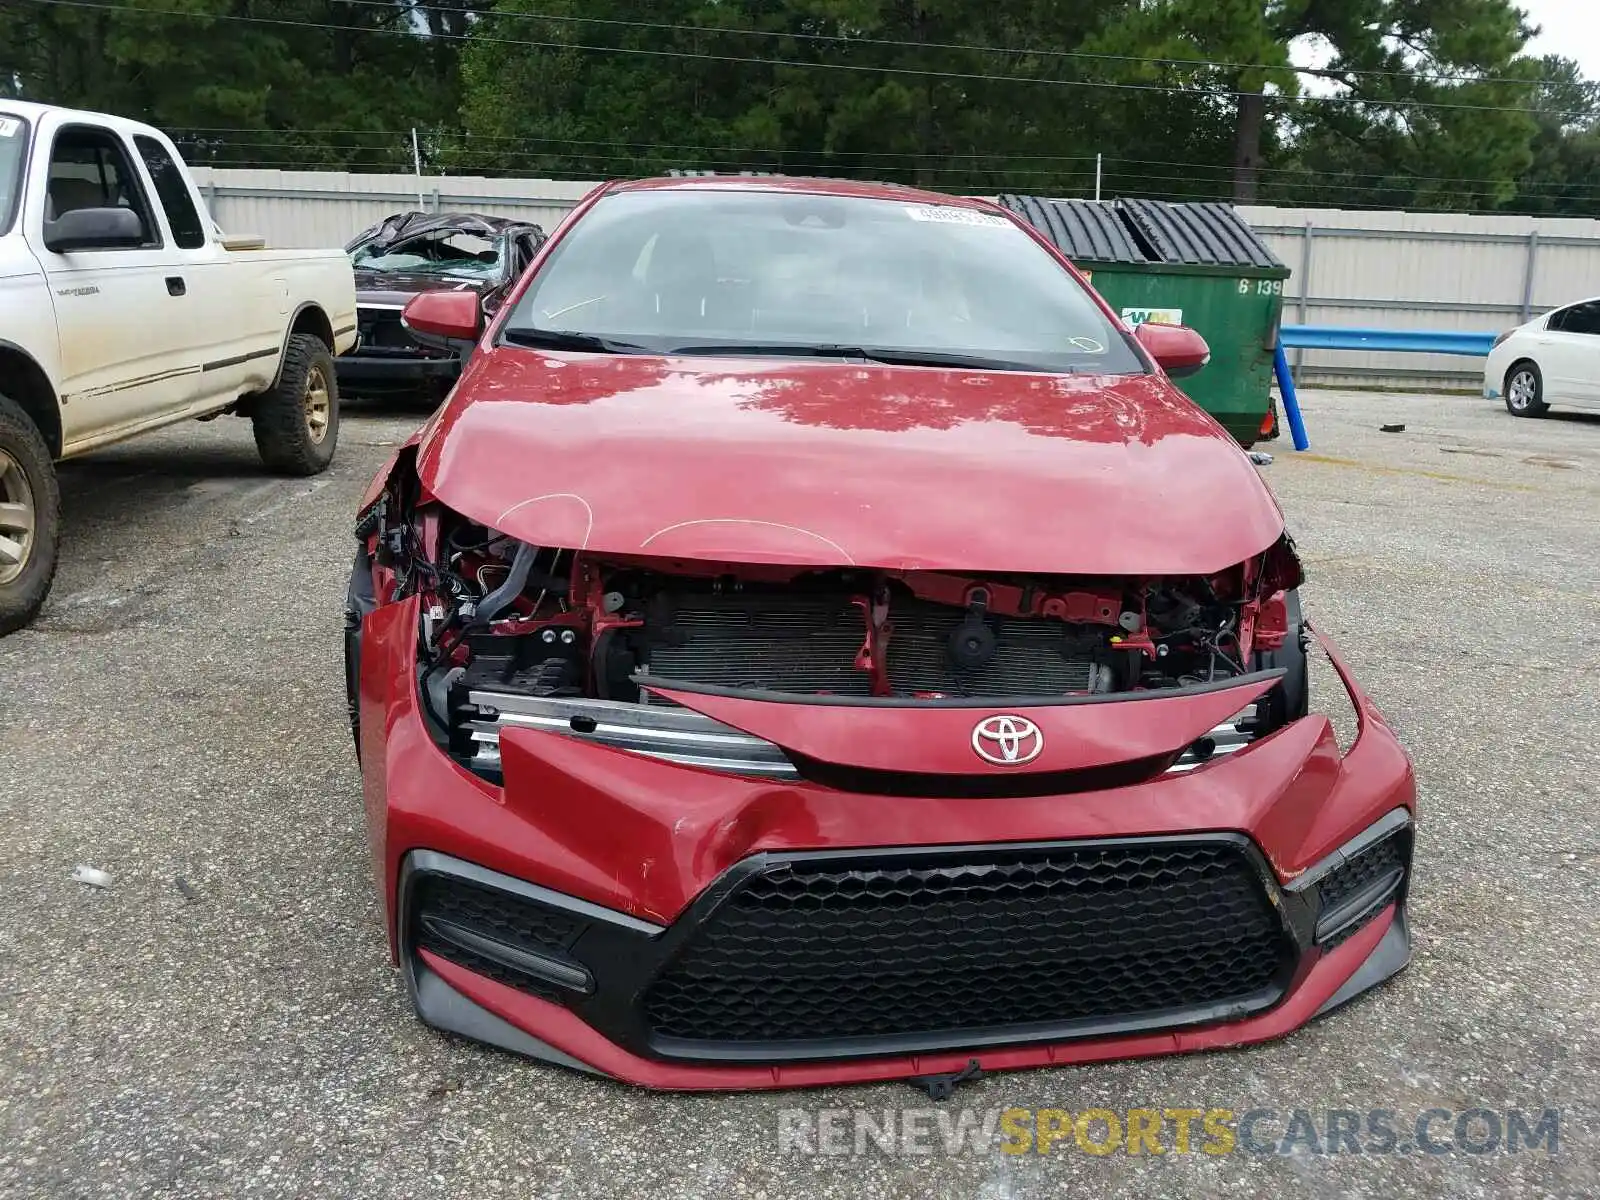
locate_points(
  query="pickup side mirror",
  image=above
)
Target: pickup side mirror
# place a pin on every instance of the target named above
(444, 320)
(1177, 349)
(94, 229)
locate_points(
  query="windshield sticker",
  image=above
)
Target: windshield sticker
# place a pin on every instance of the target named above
(9, 126)
(950, 215)
(1087, 345)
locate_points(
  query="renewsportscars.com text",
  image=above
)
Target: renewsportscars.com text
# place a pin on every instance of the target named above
(1168, 1130)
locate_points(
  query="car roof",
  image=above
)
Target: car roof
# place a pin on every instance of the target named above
(804, 185)
(415, 222)
(25, 108)
(34, 112)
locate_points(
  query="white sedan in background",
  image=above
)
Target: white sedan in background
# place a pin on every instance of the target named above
(1553, 359)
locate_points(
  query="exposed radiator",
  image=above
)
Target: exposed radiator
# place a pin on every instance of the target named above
(809, 645)
(1031, 658)
(781, 644)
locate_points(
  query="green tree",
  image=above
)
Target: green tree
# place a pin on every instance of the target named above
(1418, 103)
(945, 93)
(1564, 177)
(238, 82)
(1390, 61)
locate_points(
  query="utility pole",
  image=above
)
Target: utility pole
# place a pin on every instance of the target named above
(1097, 159)
(416, 164)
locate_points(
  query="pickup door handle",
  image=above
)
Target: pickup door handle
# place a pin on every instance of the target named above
(175, 285)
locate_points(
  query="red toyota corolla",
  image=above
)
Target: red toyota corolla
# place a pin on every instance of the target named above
(816, 642)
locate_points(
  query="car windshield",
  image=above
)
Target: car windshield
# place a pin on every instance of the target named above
(13, 150)
(709, 270)
(442, 252)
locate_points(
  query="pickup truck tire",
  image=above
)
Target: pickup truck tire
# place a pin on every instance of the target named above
(297, 422)
(30, 518)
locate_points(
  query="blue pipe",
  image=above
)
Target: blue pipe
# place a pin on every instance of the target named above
(1334, 337)
(1291, 402)
(1418, 341)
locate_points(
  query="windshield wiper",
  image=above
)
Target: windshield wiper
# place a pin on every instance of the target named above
(567, 339)
(896, 357)
(888, 355)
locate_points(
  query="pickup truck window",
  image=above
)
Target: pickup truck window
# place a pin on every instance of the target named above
(89, 168)
(173, 193)
(13, 153)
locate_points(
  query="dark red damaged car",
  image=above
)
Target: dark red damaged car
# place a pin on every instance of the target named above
(815, 642)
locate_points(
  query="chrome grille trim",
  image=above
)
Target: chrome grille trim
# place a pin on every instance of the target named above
(678, 735)
(670, 734)
(1230, 737)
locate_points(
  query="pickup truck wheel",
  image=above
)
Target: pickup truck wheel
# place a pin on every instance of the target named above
(297, 422)
(30, 518)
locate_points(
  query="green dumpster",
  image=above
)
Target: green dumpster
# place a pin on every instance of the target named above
(1199, 265)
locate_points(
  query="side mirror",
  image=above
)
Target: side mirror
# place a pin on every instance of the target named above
(94, 229)
(444, 320)
(1177, 349)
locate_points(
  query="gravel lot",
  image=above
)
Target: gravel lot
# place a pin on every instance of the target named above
(177, 715)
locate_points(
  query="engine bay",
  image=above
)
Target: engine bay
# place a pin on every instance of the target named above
(551, 621)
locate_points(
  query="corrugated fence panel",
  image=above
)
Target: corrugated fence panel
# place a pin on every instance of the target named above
(1402, 270)
(1390, 270)
(303, 209)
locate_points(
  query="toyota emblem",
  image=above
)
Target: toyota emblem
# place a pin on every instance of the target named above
(1007, 741)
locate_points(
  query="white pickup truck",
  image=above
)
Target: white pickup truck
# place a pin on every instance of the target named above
(123, 309)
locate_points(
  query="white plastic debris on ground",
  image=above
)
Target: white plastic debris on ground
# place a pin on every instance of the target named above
(92, 876)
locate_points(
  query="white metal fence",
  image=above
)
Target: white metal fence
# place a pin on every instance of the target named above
(1402, 270)
(304, 209)
(1393, 270)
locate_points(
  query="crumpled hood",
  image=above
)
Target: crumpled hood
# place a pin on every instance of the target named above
(829, 464)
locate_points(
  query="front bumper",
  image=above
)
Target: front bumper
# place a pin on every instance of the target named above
(364, 373)
(616, 866)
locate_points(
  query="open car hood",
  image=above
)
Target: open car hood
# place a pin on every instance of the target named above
(802, 462)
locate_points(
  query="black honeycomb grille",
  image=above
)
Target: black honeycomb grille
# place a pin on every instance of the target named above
(1386, 859)
(1069, 934)
(1372, 864)
(491, 913)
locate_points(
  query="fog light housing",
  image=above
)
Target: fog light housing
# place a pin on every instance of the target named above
(1358, 881)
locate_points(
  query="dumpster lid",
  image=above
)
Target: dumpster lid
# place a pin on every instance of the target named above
(1081, 229)
(1206, 234)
